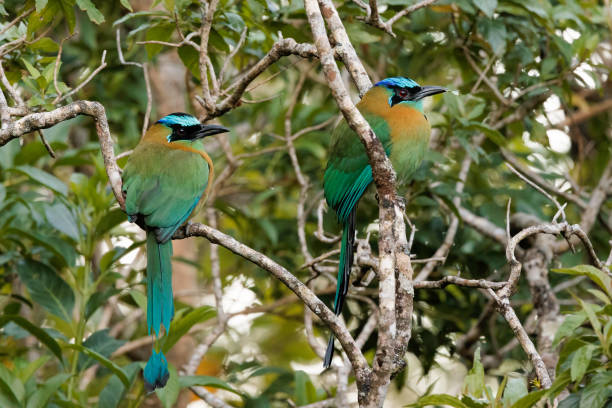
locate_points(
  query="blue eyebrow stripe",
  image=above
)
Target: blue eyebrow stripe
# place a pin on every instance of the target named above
(399, 82)
(181, 119)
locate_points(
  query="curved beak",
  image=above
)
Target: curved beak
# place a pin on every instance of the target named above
(428, 91)
(209, 130)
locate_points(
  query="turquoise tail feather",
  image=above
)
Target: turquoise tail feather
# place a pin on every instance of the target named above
(156, 372)
(344, 272)
(160, 305)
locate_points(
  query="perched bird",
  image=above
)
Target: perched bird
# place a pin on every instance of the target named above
(165, 178)
(394, 109)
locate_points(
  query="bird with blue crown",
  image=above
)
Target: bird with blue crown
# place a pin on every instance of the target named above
(394, 109)
(164, 180)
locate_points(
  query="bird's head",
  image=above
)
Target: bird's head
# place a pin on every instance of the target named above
(401, 90)
(186, 127)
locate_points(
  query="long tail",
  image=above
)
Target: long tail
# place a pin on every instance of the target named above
(160, 305)
(344, 272)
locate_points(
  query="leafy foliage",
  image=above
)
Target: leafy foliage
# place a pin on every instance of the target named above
(66, 253)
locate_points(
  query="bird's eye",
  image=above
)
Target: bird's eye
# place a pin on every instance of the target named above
(402, 93)
(180, 131)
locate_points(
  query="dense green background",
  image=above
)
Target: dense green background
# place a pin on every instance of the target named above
(60, 253)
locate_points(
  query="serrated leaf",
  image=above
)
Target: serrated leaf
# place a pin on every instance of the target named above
(47, 288)
(181, 326)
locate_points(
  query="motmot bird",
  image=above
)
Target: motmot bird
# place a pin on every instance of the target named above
(394, 109)
(165, 178)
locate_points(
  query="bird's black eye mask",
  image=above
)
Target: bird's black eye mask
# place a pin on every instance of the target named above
(404, 94)
(180, 132)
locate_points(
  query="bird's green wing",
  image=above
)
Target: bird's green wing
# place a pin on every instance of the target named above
(163, 186)
(348, 171)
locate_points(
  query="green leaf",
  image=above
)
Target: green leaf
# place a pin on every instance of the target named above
(598, 391)
(68, 10)
(516, 388)
(599, 277)
(10, 388)
(141, 300)
(43, 178)
(581, 361)
(62, 220)
(205, 381)
(160, 32)
(301, 378)
(100, 342)
(169, 394)
(181, 326)
(530, 399)
(474, 381)
(570, 323)
(98, 299)
(61, 249)
(139, 14)
(27, 372)
(439, 399)
(495, 33)
(487, 6)
(47, 288)
(114, 391)
(34, 73)
(126, 4)
(45, 44)
(40, 4)
(191, 59)
(35, 331)
(92, 12)
(109, 221)
(102, 360)
(41, 396)
(591, 313)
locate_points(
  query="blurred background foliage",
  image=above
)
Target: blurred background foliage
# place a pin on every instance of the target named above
(72, 268)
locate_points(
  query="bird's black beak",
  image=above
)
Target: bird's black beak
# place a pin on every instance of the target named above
(428, 91)
(209, 130)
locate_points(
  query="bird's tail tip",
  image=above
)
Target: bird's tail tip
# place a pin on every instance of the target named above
(329, 353)
(156, 372)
